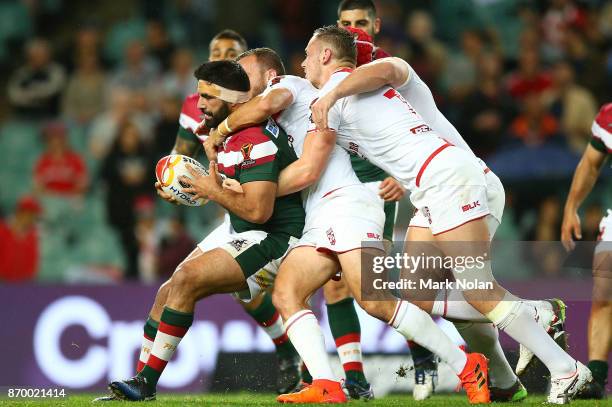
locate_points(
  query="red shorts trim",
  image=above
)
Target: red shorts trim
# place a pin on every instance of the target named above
(467, 221)
(426, 163)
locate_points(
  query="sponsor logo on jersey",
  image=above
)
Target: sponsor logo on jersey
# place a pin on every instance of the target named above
(353, 148)
(272, 128)
(470, 206)
(247, 161)
(331, 237)
(238, 244)
(421, 128)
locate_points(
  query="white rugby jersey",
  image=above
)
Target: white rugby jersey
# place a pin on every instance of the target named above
(382, 127)
(294, 120)
(418, 94)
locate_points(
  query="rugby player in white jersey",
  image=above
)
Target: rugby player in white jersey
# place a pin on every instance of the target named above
(481, 337)
(342, 213)
(447, 184)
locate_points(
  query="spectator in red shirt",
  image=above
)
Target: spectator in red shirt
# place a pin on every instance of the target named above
(19, 243)
(59, 170)
(529, 78)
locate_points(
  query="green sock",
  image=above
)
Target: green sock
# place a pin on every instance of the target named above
(345, 328)
(599, 368)
(174, 325)
(419, 354)
(150, 331)
(150, 327)
(268, 318)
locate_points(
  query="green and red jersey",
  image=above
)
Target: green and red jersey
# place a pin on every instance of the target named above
(260, 153)
(601, 130)
(190, 118)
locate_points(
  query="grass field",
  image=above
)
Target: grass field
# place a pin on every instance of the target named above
(247, 399)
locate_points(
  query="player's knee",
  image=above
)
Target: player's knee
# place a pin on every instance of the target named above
(377, 309)
(335, 292)
(280, 299)
(163, 291)
(182, 281)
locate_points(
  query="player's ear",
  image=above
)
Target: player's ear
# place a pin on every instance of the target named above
(271, 73)
(377, 25)
(326, 55)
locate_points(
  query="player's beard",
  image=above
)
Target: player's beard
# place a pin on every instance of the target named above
(218, 116)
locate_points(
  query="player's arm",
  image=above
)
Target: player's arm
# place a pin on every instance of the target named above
(306, 170)
(585, 177)
(367, 78)
(253, 112)
(186, 146)
(254, 204)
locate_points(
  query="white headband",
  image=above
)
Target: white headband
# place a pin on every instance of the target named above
(227, 95)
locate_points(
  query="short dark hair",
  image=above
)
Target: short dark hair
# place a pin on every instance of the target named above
(228, 34)
(228, 74)
(341, 41)
(357, 5)
(267, 57)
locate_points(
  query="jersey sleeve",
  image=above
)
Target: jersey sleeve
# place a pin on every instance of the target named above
(259, 157)
(601, 130)
(289, 82)
(411, 75)
(189, 118)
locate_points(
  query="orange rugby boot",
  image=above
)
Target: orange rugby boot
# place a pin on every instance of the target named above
(474, 378)
(320, 391)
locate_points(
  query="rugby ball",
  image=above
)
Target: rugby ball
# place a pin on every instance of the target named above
(170, 168)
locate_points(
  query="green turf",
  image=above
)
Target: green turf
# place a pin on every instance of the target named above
(250, 399)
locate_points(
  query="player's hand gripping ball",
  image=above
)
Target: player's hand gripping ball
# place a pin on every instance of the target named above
(168, 171)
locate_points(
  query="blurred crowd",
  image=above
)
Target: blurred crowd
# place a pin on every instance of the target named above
(94, 92)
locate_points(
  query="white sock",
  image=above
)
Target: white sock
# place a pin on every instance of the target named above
(484, 338)
(452, 304)
(416, 325)
(515, 318)
(306, 336)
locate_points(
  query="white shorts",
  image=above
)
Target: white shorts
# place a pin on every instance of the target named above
(237, 245)
(605, 234)
(449, 196)
(346, 219)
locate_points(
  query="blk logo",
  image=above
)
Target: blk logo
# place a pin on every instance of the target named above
(470, 206)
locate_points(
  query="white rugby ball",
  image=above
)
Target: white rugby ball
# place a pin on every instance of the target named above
(170, 168)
